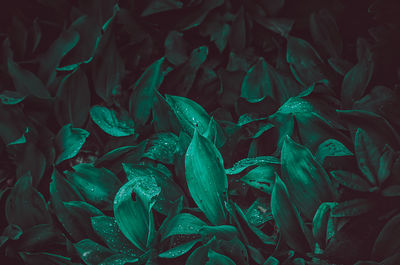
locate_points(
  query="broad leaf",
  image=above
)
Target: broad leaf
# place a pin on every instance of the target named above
(111, 122)
(69, 141)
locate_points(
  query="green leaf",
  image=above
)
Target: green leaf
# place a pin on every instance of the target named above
(176, 48)
(111, 122)
(306, 180)
(287, 218)
(25, 206)
(170, 191)
(157, 6)
(178, 250)
(97, 185)
(198, 15)
(368, 155)
(320, 223)
(63, 189)
(331, 147)
(69, 142)
(325, 32)
(215, 258)
(107, 229)
(140, 103)
(385, 164)
(119, 259)
(282, 26)
(351, 180)
(259, 212)
(44, 258)
(356, 81)
(387, 243)
(261, 177)
(91, 252)
(108, 72)
(200, 255)
(206, 178)
(161, 147)
(52, 58)
(223, 232)
(73, 99)
(75, 218)
(353, 207)
(190, 115)
(134, 217)
(39, 236)
(10, 97)
(305, 63)
(255, 85)
(13, 232)
(20, 140)
(182, 224)
(245, 163)
(26, 82)
(215, 133)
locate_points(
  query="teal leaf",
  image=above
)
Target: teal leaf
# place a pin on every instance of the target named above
(25, 206)
(10, 97)
(305, 63)
(325, 32)
(387, 243)
(245, 163)
(97, 185)
(306, 180)
(140, 103)
(178, 250)
(353, 207)
(170, 191)
(111, 122)
(282, 26)
(200, 255)
(356, 81)
(32, 258)
(198, 15)
(91, 252)
(119, 259)
(215, 133)
(20, 140)
(256, 83)
(351, 180)
(157, 6)
(215, 258)
(12, 231)
(182, 224)
(320, 223)
(206, 178)
(63, 189)
(26, 82)
(224, 232)
(190, 114)
(161, 147)
(107, 229)
(69, 142)
(385, 164)
(176, 49)
(261, 177)
(331, 147)
(287, 218)
(73, 99)
(40, 235)
(134, 217)
(259, 212)
(52, 58)
(368, 155)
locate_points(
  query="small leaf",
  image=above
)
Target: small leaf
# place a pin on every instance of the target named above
(255, 84)
(69, 141)
(223, 232)
(91, 252)
(252, 161)
(368, 155)
(97, 185)
(351, 180)
(206, 178)
(178, 250)
(353, 207)
(331, 147)
(215, 258)
(111, 122)
(107, 229)
(261, 177)
(182, 224)
(387, 242)
(25, 206)
(141, 99)
(20, 140)
(10, 97)
(385, 164)
(157, 6)
(161, 147)
(305, 63)
(320, 223)
(63, 189)
(176, 49)
(287, 218)
(190, 115)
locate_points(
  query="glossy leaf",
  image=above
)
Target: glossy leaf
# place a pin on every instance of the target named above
(91, 252)
(182, 224)
(206, 178)
(69, 141)
(111, 122)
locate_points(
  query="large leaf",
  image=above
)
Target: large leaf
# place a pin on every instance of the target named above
(182, 224)
(111, 122)
(206, 178)
(307, 182)
(387, 242)
(69, 141)
(91, 252)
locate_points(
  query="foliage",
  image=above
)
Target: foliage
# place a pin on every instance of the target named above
(200, 132)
